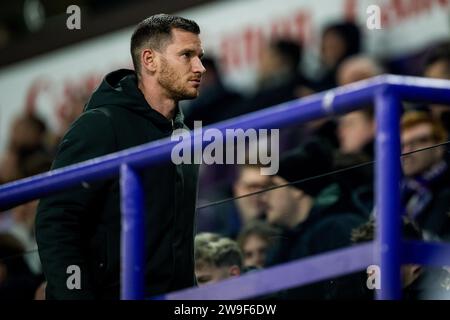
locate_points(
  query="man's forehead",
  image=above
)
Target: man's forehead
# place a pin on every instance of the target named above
(185, 38)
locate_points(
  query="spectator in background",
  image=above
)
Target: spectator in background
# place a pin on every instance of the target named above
(216, 259)
(216, 102)
(27, 136)
(17, 282)
(437, 65)
(426, 185)
(409, 272)
(356, 134)
(357, 68)
(229, 218)
(19, 221)
(339, 41)
(9, 167)
(356, 130)
(418, 283)
(250, 180)
(316, 215)
(279, 62)
(254, 241)
(279, 78)
(75, 99)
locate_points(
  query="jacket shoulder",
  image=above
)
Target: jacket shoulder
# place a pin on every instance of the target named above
(90, 136)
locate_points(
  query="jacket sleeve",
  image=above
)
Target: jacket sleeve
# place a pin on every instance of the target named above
(62, 219)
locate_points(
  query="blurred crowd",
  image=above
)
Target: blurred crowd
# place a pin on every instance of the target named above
(296, 217)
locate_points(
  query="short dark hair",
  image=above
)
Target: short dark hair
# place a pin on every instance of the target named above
(290, 51)
(155, 31)
(350, 34)
(366, 231)
(258, 228)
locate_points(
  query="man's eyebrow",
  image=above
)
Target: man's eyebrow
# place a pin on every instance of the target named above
(192, 51)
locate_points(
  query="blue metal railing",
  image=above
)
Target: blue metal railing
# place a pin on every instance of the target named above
(387, 91)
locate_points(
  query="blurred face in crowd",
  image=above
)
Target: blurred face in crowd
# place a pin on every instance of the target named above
(355, 69)
(418, 137)
(209, 273)
(9, 167)
(254, 250)
(251, 180)
(333, 48)
(270, 64)
(177, 68)
(25, 134)
(283, 204)
(438, 70)
(69, 111)
(355, 130)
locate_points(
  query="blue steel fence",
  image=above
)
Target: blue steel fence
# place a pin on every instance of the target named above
(387, 250)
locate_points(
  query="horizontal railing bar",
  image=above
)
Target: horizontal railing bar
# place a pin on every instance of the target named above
(289, 275)
(416, 89)
(309, 270)
(426, 253)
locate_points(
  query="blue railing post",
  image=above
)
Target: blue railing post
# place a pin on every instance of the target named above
(132, 235)
(388, 235)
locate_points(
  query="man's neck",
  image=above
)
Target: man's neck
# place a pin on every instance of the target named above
(158, 101)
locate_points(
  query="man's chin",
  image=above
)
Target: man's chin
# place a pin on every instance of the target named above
(189, 95)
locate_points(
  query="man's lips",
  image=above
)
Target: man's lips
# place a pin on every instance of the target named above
(196, 82)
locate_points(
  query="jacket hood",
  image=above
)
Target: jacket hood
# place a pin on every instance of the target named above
(120, 88)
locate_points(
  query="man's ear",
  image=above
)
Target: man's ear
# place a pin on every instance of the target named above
(234, 271)
(148, 60)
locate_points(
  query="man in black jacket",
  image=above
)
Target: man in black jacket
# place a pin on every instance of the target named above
(81, 227)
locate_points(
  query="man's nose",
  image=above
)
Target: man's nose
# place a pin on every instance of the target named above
(198, 66)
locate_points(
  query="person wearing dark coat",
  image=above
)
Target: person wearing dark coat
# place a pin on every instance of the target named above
(339, 41)
(426, 182)
(317, 215)
(82, 226)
